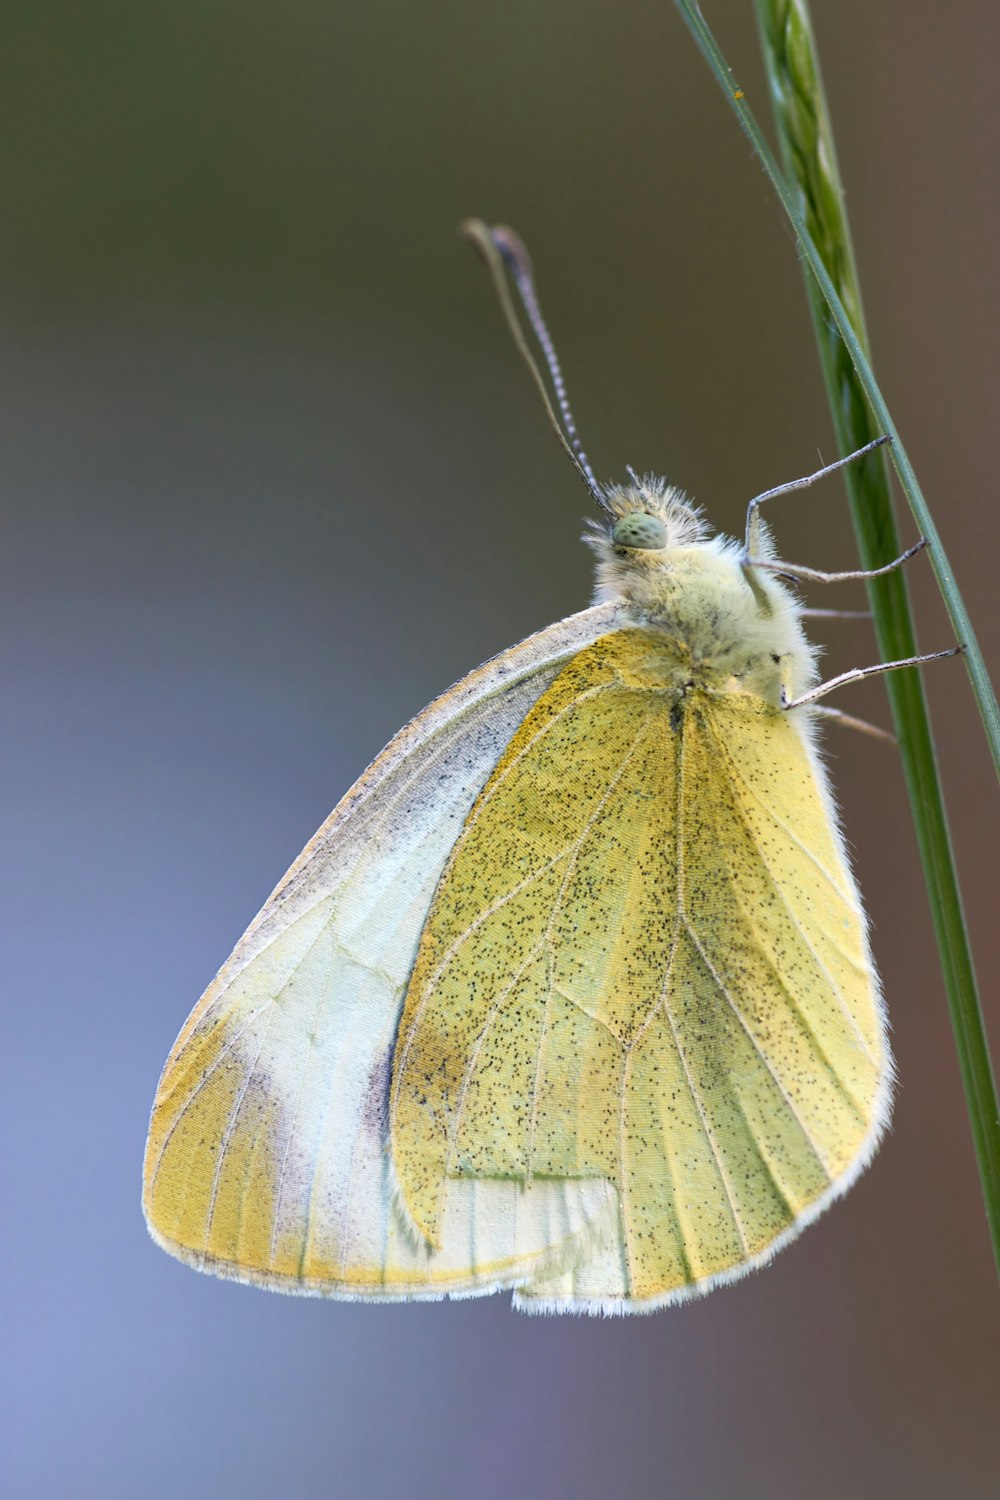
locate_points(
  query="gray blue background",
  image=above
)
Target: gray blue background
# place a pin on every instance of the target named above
(272, 477)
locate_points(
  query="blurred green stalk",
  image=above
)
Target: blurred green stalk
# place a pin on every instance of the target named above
(813, 199)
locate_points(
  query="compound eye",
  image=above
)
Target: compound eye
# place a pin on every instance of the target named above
(639, 529)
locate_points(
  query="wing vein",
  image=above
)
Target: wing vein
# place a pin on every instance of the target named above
(470, 1066)
(720, 985)
(738, 775)
(542, 946)
(703, 1117)
(571, 865)
(835, 989)
(320, 1002)
(495, 906)
(206, 1075)
(227, 1134)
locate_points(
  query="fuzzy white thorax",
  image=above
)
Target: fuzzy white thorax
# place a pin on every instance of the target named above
(736, 627)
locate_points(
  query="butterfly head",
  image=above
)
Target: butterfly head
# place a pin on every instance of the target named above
(649, 543)
(643, 521)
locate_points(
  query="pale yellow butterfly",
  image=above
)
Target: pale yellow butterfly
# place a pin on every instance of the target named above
(572, 992)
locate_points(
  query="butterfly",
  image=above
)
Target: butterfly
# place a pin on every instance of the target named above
(572, 993)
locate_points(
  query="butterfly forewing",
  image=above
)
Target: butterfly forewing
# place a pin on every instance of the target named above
(267, 1158)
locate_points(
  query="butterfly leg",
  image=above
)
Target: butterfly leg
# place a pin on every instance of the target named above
(816, 575)
(857, 673)
(835, 614)
(875, 731)
(753, 530)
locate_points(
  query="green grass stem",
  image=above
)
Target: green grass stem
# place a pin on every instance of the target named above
(812, 197)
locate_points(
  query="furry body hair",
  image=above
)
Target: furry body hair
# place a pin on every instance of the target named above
(731, 625)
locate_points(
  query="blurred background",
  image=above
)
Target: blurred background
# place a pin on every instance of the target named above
(272, 478)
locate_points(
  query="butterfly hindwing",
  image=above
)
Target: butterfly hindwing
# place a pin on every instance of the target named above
(645, 963)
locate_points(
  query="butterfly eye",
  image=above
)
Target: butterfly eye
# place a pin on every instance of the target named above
(639, 529)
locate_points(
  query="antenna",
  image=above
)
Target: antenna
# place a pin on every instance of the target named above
(505, 253)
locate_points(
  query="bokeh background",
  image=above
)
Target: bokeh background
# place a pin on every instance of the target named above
(272, 478)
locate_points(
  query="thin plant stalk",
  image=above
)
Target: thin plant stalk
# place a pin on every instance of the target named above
(813, 199)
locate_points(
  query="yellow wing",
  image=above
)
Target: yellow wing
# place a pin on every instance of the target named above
(645, 964)
(266, 1159)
